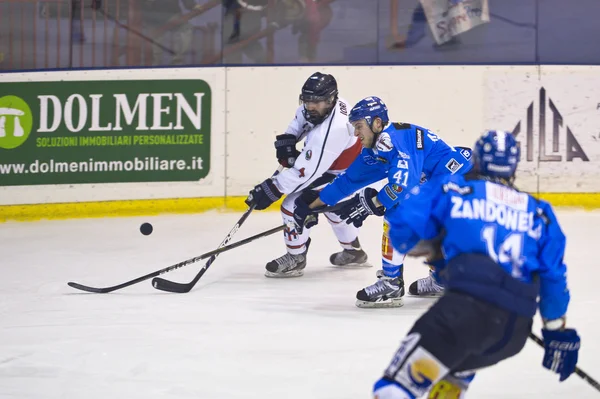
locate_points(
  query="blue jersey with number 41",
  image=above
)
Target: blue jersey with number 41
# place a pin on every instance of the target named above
(405, 154)
(518, 232)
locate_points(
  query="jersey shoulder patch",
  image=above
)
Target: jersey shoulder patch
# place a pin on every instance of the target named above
(402, 126)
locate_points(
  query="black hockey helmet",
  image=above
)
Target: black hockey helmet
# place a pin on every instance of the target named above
(319, 87)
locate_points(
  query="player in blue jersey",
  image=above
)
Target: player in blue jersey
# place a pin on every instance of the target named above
(405, 155)
(502, 249)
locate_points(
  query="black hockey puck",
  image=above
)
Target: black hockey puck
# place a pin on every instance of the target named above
(146, 229)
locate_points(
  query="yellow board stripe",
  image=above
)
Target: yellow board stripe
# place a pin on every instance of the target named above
(81, 210)
(588, 201)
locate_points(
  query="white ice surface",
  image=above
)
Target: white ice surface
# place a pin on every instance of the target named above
(238, 334)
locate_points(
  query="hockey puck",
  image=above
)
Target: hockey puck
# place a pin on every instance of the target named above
(146, 229)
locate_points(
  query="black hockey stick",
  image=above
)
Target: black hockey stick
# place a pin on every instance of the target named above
(578, 371)
(181, 288)
(178, 265)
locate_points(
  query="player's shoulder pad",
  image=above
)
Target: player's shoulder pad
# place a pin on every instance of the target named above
(401, 126)
(546, 215)
(544, 211)
(300, 114)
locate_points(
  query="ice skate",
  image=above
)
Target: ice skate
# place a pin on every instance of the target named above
(351, 257)
(288, 265)
(426, 287)
(387, 292)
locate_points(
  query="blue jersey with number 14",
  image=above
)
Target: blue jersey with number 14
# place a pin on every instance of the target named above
(404, 154)
(518, 232)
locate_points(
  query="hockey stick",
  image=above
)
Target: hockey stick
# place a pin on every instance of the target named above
(578, 371)
(182, 288)
(178, 265)
(172, 286)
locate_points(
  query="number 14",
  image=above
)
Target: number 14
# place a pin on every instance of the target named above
(509, 251)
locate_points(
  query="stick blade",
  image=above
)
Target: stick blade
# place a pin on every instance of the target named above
(170, 286)
(89, 289)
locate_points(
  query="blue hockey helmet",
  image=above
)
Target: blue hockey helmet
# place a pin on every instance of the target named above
(368, 109)
(497, 154)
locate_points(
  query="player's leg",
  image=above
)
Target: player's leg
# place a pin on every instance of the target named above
(453, 386)
(388, 290)
(458, 333)
(430, 286)
(347, 234)
(293, 262)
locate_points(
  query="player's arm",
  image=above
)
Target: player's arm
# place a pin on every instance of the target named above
(418, 216)
(315, 159)
(358, 175)
(561, 344)
(404, 174)
(285, 144)
(554, 294)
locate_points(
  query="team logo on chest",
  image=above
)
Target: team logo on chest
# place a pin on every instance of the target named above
(308, 155)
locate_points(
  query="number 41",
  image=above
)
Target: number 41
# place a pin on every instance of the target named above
(401, 177)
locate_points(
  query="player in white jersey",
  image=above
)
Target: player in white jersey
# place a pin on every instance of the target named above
(329, 148)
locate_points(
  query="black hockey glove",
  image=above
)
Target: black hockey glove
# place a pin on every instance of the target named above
(263, 195)
(285, 144)
(303, 215)
(358, 208)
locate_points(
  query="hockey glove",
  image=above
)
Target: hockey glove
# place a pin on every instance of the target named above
(263, 195)
(304, 217)
(561, 349)
(358, 208)
(285, 145)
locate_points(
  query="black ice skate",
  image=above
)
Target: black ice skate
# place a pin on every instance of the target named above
(288, 265)
(351, 257)
(387, 292)
(426, 287)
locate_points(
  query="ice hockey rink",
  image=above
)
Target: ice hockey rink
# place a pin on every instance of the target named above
(237, 334)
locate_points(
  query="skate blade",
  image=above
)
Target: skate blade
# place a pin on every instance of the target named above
(295, 273)
(354, 266)
(437, 295)
(388, 303)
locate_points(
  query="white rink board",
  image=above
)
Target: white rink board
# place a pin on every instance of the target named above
(253, 104)
(550, 104)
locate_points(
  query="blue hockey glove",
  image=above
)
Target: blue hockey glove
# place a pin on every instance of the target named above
(263, 195)
(360, 207)
(305, 217)
(561, 351)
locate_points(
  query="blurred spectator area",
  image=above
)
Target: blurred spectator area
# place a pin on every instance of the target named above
(45, 34)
